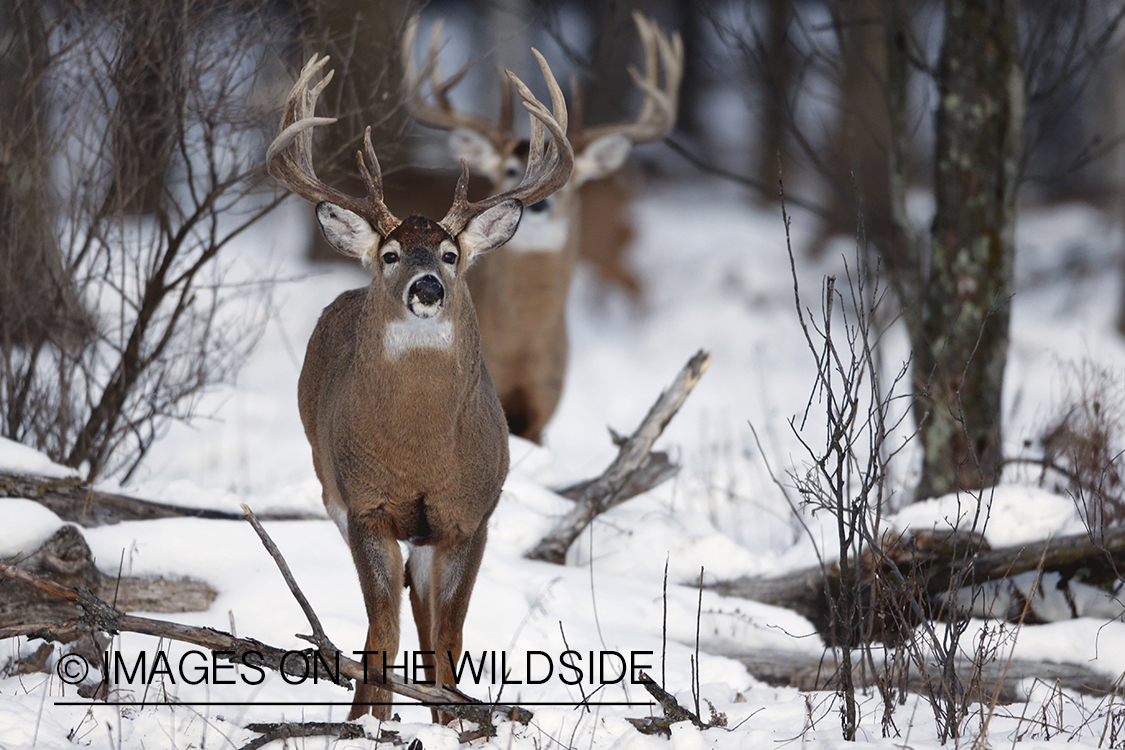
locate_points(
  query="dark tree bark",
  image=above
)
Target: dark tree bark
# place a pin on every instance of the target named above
(777, 68)
(858, 161)
(363, 39)
(692, 117)
(148, 115)
(607, 91)
(958, 365)
(37, 304)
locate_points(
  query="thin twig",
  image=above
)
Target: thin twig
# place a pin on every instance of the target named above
(318, 638)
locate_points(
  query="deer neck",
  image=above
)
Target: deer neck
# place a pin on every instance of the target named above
(417, 364)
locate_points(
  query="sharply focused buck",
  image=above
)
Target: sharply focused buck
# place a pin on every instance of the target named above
(408, 438)
(521, 290)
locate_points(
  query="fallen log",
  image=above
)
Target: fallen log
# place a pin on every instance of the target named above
(65, 559)
(999, 678)
(75, 502)
(932, 564)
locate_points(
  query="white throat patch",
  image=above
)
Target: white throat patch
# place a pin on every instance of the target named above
(417, 333)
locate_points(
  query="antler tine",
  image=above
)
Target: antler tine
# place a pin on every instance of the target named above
(549, 165)
(543, 118)
(289, 156)
(658, 113)
(441, 115)
(507, 121)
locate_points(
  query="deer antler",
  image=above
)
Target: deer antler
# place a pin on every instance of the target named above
(289, 157)
(442, 115)
(549, 164)
(658, 114)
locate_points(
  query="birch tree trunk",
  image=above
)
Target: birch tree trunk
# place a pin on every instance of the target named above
(959, 362)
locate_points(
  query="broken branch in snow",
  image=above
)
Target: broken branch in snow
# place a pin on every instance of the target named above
(341, 730)
(94, 614)
(72, 501)
(318, 638)
(656, 469)
(673, 711)
(605, 492)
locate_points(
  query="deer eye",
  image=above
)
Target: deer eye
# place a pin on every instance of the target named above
(450, 258)
(512, 172)
(390, 257)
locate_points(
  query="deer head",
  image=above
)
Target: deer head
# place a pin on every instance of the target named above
(407, 435)
(521, 291)
(494, 150)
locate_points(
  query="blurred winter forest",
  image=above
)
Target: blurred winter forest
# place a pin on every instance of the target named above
(133, 134)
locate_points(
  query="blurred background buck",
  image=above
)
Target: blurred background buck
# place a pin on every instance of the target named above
(521, 291)
(407, 435)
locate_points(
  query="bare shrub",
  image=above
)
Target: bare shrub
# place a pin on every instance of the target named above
(1083, 441)
(138, 240)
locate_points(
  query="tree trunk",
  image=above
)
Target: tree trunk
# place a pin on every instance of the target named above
(37, 303)
(857, 164)
(148, 114)
(958, 366)
(363, 39)
(777, 75)
(608, 93)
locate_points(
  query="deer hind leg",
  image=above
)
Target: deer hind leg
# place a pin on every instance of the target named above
(378, 561)
(444, 602)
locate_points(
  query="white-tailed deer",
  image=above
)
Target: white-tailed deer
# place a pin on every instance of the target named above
(408, 438)
(521, 290)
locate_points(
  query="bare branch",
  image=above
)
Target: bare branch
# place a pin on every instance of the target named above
(95, 614)
(605, 492)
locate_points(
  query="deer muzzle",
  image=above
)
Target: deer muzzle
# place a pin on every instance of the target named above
(425, 296)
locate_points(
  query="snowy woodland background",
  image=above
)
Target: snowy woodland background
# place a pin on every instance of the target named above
(157, 291)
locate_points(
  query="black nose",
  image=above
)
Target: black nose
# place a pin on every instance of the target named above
(428, 290)
(538, 207)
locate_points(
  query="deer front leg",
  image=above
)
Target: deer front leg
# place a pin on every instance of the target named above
(453, 573)
(378, 561)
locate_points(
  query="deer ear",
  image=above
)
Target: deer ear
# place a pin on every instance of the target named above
(477, 151)
(347, 231)
(490, 229)
(601, 157)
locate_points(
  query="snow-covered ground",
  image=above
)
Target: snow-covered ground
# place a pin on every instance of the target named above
(716, 277)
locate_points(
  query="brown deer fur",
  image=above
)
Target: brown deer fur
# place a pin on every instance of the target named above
(411, 448)
(521, 290)
(408, 438)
